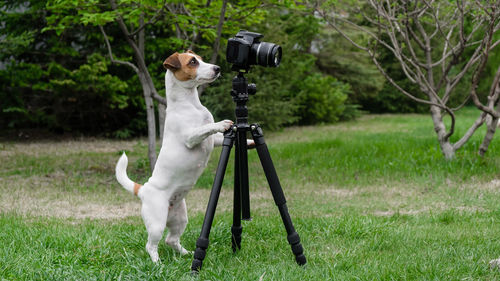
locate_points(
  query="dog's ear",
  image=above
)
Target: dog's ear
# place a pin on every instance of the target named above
(172, 63)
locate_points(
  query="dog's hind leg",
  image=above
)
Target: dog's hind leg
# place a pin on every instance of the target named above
(176, 223)
(154, 214)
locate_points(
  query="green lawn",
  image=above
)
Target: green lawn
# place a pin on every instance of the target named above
(372, 199)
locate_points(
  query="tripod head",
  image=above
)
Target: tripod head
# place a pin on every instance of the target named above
(240, 92)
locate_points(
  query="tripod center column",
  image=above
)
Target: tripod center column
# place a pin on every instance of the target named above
(240, 97)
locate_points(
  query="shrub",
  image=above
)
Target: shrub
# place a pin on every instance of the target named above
(321, 99)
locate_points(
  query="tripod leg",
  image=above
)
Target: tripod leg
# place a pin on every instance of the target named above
(277, 191)
(243, 170)
(202, 242)
(236, 229)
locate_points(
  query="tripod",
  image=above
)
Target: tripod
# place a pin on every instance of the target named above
(241, 208)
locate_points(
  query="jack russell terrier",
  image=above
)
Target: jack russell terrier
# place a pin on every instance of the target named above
(189, 137)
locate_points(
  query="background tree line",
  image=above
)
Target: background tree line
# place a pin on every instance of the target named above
(56, 70)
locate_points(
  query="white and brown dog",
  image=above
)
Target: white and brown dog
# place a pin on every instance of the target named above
(189, 137)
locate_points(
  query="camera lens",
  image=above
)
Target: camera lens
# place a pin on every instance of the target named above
(266, 54)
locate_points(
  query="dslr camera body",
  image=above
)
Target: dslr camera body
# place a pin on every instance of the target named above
(246, 49)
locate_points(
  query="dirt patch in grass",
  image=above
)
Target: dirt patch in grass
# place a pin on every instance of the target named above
(64, 147)
(92, 192)
(46, 202)
(59, 195)
(46, 196)
(437, 207)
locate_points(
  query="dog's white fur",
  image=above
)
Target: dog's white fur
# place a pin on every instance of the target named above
(189, 137)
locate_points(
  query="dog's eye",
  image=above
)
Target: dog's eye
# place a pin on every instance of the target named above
(193, 61)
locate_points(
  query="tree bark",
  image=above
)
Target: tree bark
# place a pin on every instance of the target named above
(439, 127)
(490, 132)
(150, 115)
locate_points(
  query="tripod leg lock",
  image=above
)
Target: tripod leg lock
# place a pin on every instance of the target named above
(202, 242)
(199, 254)
(257, 134)
(229, 137)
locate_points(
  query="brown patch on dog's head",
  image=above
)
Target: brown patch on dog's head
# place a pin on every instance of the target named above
(184, 66)
(172, 63)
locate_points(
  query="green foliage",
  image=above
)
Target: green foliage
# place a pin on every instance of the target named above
(68, 85)
(293, 92)
(337, 57)
(59, 82)
(54, 73)
(62, 97)
(321, 99)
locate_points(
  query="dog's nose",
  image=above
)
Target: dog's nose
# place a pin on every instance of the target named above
(216, 69)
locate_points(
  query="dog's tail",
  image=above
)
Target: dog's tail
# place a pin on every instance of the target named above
(121, 175)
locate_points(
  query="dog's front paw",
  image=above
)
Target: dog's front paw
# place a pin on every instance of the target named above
(224, 125)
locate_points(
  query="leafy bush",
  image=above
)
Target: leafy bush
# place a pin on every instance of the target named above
(87, 98)
(321, 99)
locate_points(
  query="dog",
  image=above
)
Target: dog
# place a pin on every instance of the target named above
(190, 135)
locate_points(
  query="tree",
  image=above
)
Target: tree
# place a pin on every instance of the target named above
(192, 22)
(431, 41)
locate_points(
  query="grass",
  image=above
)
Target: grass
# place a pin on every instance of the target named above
(372, 199)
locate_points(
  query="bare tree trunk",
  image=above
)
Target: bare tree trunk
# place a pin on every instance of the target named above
(162, 114)
(492, 103)
(215, 49)
(490, 132)
(150, 110)
(444, 142)
(150, 114)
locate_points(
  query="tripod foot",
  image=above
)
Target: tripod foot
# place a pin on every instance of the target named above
(236, 237)
(297, 248)
(199, 254)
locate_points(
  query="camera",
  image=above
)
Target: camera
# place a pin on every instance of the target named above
(246, 49)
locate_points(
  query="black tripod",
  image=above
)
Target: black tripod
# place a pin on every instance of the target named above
(237, 135)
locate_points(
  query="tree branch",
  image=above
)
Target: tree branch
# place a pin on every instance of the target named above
(478, 123)
(110, 52)
(152, 20)
(373, 57)
(139, 57)
(222, 14)
(215, 48)
(485, 46)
